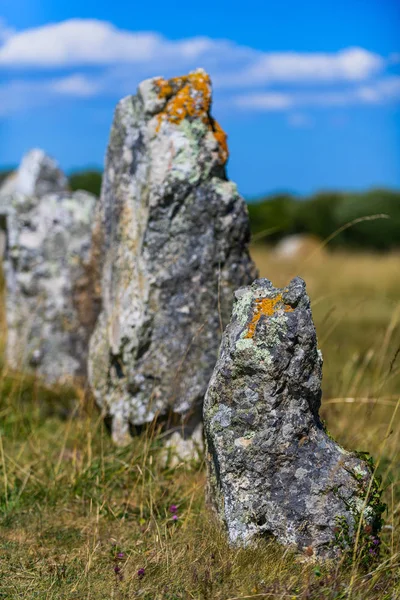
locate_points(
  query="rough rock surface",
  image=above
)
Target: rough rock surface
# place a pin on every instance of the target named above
(273, 469)
(175, 248)
(51, 297)
(38, 174)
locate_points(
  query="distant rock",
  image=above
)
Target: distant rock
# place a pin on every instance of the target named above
(37, 175)
(272, 468)
(300, 246)
(52, 295)
(176, 236)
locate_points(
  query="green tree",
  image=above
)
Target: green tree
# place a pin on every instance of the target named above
(89, 181)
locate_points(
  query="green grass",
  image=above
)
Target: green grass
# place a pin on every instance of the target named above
(70, 502)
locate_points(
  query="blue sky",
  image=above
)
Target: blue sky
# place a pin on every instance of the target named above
(308, 92)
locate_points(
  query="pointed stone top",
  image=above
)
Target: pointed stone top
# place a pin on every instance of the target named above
(37, 175)
(180, 99)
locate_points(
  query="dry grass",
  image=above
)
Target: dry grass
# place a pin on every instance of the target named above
(70, 503)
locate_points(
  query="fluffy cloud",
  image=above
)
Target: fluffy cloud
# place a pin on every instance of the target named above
(88, 57)
(92, 42)
(387, 89)
(352, 64)
(265, 101)
(300, 121)
(74, 85)
(21, 94)
(79, 42)
(73, 42)
(382, 91)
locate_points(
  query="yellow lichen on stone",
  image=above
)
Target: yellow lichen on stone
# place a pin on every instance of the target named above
(221, 138)
(189, 96)
(266, 306)
(165, 89)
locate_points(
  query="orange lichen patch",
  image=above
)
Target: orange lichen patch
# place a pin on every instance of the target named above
(221, 138)
(165, 89)
(266, 306)
(189, 96)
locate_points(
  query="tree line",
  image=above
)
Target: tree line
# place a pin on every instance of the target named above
(351, 215)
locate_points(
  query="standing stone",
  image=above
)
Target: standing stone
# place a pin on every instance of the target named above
(37, 175)
(50, 274)
(273, 469)
(176, 236)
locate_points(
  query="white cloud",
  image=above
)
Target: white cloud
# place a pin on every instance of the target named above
(92, 42)
(388, 89)
(380, 92)
(383, 91)
(300, 120)
(79, 42)
(92, 57)
(334, 98)
(74, 85)
(352, 64)
(265, 101)
(21, 94)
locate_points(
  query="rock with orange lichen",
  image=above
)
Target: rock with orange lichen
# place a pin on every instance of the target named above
(176, 236)
(273, 471)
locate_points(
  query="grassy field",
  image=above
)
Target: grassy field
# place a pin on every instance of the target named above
(80, 519)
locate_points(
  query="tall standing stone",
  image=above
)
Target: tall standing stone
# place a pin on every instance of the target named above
(49, 268)
(176, 236)
(273, 469)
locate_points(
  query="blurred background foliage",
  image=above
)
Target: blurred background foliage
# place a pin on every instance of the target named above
(326, 212)
(4, 173)
(86, 180)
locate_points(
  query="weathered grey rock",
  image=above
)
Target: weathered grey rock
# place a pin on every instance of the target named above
(273, 469)
(50, 271)
(38, 174)
(176, 233)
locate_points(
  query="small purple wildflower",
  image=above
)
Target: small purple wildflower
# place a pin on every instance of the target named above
(117, 569)
(372, 552)
(175, 517)
(121, 555)
(141, 573)
(376, 541)
(173, 508)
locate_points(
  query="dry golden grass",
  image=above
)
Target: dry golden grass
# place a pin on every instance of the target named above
(80, 519)
(356, 308)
